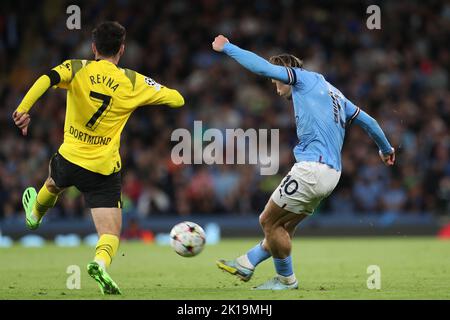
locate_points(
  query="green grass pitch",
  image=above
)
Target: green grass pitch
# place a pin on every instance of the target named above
(327, 268)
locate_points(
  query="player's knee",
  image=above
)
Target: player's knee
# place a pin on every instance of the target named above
(266, 224)
(264, 221)
(51, 186)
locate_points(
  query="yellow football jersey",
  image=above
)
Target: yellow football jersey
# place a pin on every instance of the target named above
(100, 99)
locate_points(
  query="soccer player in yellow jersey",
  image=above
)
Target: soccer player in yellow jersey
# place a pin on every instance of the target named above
(100, 98)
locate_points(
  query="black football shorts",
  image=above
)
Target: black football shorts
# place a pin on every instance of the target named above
(99, 191)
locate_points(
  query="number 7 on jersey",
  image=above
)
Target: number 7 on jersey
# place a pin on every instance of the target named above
(100, 113)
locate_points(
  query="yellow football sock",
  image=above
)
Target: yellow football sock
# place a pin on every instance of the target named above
(44, 201)
(106, 248)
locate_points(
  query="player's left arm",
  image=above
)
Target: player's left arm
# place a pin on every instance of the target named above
(150, 92)
(373, 129)
(253, 62)
(57, 76)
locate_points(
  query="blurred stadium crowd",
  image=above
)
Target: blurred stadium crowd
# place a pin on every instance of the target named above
(399, 74)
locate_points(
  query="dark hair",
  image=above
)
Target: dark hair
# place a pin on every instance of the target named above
(287, 60)
(108, 36)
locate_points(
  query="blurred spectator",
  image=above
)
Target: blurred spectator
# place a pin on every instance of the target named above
(393, 199)
(133, 231)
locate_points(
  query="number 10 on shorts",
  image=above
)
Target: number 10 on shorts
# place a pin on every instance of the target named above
(289, 186)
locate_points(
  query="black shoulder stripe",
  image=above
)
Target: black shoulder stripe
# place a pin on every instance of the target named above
(294, 76)
(354, 116)
(289, 75)
(54, 76)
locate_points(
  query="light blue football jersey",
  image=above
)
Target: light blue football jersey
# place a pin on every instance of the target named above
(322, 114)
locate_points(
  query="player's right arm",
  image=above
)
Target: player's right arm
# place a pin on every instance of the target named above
(60, 75)
(253, 62)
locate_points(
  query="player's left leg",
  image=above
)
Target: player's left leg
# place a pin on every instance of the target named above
(108, 222)
(35, 204)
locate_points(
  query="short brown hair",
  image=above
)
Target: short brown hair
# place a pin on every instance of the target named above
(108, 36)
(287, 60)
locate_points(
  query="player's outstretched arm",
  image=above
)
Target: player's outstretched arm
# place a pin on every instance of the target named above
(252, 61)
(373, 129)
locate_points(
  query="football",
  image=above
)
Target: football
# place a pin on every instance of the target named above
(187, 239)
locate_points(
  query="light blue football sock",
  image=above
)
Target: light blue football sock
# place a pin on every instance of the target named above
(284, 266)
(258, 254)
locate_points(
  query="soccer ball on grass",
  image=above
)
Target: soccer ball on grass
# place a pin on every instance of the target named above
(187, 239)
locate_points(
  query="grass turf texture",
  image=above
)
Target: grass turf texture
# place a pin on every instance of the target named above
(327, 268)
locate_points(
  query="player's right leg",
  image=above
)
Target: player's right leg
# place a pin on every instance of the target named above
(108, 222)
(103, 195)
(244, 266)
(235, 268)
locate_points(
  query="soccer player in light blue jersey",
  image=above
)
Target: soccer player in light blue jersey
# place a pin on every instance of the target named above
(322, 114)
